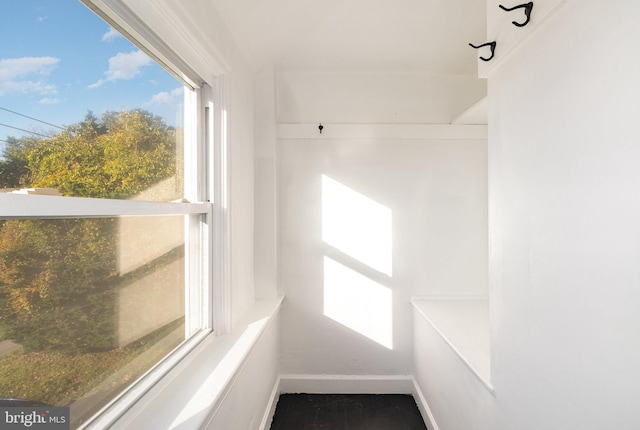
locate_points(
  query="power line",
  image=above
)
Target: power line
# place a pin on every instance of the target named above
(30, 117)
(22, 129)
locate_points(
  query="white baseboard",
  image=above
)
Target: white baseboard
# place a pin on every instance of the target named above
(427, 415)
(347, 384)
(271, 407)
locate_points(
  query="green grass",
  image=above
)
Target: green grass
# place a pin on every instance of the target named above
(59, 379)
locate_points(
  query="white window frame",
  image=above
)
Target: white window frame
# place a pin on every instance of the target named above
(207, 242)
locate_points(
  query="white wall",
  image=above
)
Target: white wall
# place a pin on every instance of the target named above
(266, 221)
(435, 192)
(241, 168)
(564, 209)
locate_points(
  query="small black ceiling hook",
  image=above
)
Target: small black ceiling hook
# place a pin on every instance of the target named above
(493, 49)
(320, 127)
(528, 7)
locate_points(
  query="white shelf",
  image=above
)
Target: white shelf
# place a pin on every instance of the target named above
(475, 115)
(464, 325)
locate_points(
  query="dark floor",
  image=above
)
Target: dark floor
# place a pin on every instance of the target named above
(347, 412)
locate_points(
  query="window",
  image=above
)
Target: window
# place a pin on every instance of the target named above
(106, 220)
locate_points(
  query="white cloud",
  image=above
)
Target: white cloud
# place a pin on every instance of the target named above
(124, 66)
(49, 101)
(16, 74)
(24, 87)
(110, 35)
(11, 68)
(166, 98)
(42, 18)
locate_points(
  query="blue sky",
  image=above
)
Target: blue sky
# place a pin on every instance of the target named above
(58, 61)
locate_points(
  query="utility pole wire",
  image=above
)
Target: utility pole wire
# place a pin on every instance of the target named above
(26, 131)
(30, 117)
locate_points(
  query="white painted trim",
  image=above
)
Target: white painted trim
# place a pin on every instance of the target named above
(14, 206)
(347, 384)
(270, 411)
(220, 194)
(381, 131)
(200, 43)
(117, 14)
(425, 410)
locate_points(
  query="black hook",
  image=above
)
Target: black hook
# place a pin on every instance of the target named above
(320, 127)
(527, 11)
(493, 49)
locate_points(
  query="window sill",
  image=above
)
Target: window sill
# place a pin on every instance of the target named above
(464, 326)
(197, 384)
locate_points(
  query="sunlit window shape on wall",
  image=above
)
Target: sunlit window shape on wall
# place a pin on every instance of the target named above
(357, 225)
(358, 303)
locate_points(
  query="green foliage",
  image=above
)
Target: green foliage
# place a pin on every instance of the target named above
(55, 282)
(14, 167)
(58, 277)
(119, 157)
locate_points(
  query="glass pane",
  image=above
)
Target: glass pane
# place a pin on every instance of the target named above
(87, 306)
(83, 112)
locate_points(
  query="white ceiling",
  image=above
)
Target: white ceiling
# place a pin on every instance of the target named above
(417, 35)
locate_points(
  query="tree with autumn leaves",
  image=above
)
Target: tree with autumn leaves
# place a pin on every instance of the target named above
(58, 277)
(117, 157)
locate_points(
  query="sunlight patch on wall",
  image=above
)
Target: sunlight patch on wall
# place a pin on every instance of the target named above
(358, 303)
(356, 225)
